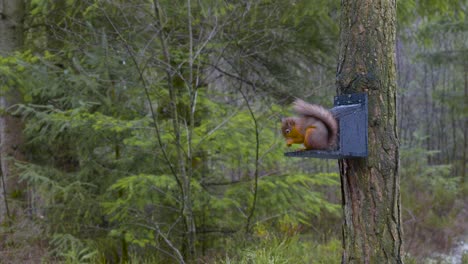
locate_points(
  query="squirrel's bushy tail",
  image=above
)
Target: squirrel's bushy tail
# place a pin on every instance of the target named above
(319, 112)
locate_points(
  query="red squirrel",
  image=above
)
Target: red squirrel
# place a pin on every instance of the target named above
(316, 127)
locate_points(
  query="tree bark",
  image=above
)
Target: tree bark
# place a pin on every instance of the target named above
(465, 130)
(11, 32)
(371, 186)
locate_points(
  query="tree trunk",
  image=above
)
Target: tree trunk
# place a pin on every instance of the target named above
(371, 186)
(465, 130)
(11, 39)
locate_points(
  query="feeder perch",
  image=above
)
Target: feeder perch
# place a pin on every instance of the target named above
(350, 110)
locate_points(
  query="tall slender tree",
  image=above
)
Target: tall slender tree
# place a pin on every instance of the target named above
(370, 187)
(11, 32)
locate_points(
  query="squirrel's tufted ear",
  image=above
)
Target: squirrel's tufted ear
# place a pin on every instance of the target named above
(288, 121)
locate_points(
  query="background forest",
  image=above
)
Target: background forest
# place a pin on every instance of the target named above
(151, 132)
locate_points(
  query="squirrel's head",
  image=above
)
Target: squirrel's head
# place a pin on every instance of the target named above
(290, 131)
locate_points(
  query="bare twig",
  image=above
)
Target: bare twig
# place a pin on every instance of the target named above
(148, 98)
(178, 256)
(257, 153)
(5, 198)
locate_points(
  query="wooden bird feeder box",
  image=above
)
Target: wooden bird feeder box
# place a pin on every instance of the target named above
(350, 110)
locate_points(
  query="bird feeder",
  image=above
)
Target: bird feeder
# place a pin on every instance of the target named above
(350, 110)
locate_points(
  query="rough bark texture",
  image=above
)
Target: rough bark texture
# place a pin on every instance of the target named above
(371, 187)
(11, 39)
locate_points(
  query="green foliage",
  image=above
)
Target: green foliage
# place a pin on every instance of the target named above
(295, 249)
(433, 164)
(71, 249)
(93, 156)
(102, 174)
(408, 10)
(289, 196)
(13, 70)
(133, 124)
(431, 194)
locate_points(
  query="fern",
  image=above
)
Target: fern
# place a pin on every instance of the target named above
(71, 249)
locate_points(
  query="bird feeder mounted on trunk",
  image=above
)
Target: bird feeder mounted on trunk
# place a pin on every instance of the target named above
(350, 110)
